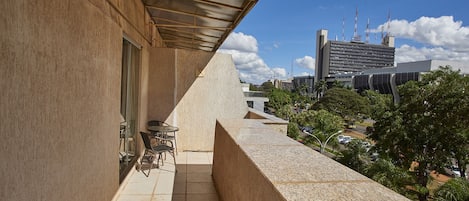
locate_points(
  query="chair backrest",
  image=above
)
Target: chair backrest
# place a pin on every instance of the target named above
(156, 123)
(146, 140)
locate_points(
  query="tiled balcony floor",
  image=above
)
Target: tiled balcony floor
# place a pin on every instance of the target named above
(192, 182)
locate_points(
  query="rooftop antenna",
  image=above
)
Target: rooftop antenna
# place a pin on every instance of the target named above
(388, 32)
(356, 37)
(343, 29)
(382, 32)
(291, 68)
(368, 31)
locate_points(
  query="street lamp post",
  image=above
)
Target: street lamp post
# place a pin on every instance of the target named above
(322, 145)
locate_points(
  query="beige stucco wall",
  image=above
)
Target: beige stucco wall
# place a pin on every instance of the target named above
(251, 161)
(60, 71)
(191, 89)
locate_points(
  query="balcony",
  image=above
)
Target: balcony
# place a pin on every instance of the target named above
(67, 103)
(193, 180)
(253, 161)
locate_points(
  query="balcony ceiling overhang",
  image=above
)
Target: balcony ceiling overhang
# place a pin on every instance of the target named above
(197, 24)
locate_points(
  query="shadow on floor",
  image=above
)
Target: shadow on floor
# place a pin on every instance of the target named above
(193, 182)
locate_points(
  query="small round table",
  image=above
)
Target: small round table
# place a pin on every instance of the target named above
(164, 130)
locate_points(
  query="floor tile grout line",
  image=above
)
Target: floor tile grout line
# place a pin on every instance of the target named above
(153, 194)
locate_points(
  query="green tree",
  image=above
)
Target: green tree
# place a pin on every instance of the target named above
(386, 173)
(345, 103)
(379, 103)
(461, 152)
(453, 190)
(338, 84)
(293, 131)
(320, 88)
(254, 88)
(355, 156)
(304, 118)
(278, 98)
(427, 125)
(300, 97)
(302, 89)
(284, 112)
(267, 86)
(326, 127)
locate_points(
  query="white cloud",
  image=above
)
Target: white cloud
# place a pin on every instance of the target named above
(441, 31)
(241, 42)
(407, 53)
(279, 72)
(442, 38)
(250, 65)
(306, 62)
(304, 74)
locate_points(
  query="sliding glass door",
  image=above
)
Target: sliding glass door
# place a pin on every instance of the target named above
(129, 106)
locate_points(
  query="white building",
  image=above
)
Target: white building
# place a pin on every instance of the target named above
(254, 99)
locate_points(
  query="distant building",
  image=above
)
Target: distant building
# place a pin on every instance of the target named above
(340, 57)
(254, 99)
(307, 81)
(283, 84)
(386, 80)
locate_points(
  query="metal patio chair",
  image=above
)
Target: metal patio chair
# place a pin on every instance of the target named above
(152, 152)
(164, 135)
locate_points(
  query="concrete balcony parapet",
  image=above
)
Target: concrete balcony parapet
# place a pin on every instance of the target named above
(254, 162)
(272, 121)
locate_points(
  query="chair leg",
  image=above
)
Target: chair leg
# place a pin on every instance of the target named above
(149, 159)
(160, 156)
(175, 144)
(174, 159)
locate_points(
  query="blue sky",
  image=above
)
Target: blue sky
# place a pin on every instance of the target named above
(278, 36)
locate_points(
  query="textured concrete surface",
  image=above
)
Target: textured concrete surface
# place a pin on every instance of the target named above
(60, 78)
(253, 161)
(272, 121)
(191, 89)
(59, 109)
(192, 181)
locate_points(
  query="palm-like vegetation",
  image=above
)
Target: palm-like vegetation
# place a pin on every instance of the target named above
(454, 190)
(385, 172)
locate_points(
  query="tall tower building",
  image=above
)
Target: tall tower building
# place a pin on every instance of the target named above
(334, 57)
(321, 41)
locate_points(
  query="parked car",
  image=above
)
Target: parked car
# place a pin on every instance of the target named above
(307, 129)
(454, 171)
(340, 138)
(366, 145)
(346, 139)
(374, 156)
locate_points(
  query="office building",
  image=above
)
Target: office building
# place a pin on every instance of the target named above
(340, 57)
(386, 80)
(304, 81)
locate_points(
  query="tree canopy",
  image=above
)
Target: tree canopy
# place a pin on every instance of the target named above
(428, 125)
(267, 86)
(278, 98)
(453, 190)
(345, 103)
(326, 125)
(379, 103)
(391, 176)
(355, 156)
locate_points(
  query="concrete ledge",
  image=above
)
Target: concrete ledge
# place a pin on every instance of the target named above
(272, 121)
(253, 162)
